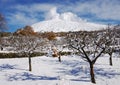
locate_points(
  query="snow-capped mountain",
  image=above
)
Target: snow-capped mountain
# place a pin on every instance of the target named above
(65, 22)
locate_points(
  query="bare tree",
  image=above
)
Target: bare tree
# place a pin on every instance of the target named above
(89, 45)
(26, 45)
(3, 27)
(59, 44)
(111, 45)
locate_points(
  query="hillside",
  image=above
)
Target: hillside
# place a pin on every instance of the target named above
(58, 25)
(65, 22)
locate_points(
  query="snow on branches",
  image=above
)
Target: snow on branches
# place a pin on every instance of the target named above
(89, 45)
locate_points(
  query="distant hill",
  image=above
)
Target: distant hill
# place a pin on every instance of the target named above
(59, 25)
(65, 22)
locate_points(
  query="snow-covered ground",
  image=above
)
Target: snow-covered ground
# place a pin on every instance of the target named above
(48, 71)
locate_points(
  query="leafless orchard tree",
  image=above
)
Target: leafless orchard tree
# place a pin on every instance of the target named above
(3, 27)
(59, 46)
(26, 45)
(4, 42)
(89, 45)
(113, 36)
(111, 45)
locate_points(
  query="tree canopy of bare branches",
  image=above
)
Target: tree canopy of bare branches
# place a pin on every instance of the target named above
(26, 45)
(89, 45)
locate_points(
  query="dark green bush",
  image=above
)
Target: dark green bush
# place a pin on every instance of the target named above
(20, 55)
(17, 55)
(65, 53)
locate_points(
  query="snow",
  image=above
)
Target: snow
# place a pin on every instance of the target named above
(58, 25)
(65, 22)
(48, 71)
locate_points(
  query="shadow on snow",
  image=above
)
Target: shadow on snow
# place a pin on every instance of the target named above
(75, 68)
(23, 76)
(81, 71)
(27, 76)
(106, 72)
(7, 67)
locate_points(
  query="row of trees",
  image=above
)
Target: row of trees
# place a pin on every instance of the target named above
(89, 45)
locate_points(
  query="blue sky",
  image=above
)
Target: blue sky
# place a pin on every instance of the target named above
(19, 13)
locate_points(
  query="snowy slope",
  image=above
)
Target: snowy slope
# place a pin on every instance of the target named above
(65, 22)
(48, 71)
(59, 25)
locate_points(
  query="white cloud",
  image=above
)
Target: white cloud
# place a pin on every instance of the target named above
(34, 7)
(68, 16)
(52, 14)
(28, 14)
(100, 9)
(21, 19)
(106, 9)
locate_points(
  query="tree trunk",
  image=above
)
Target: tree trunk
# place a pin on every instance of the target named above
(30, 66)
(92, 74)
(110, 60)
(1, 48)
(59, 57)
